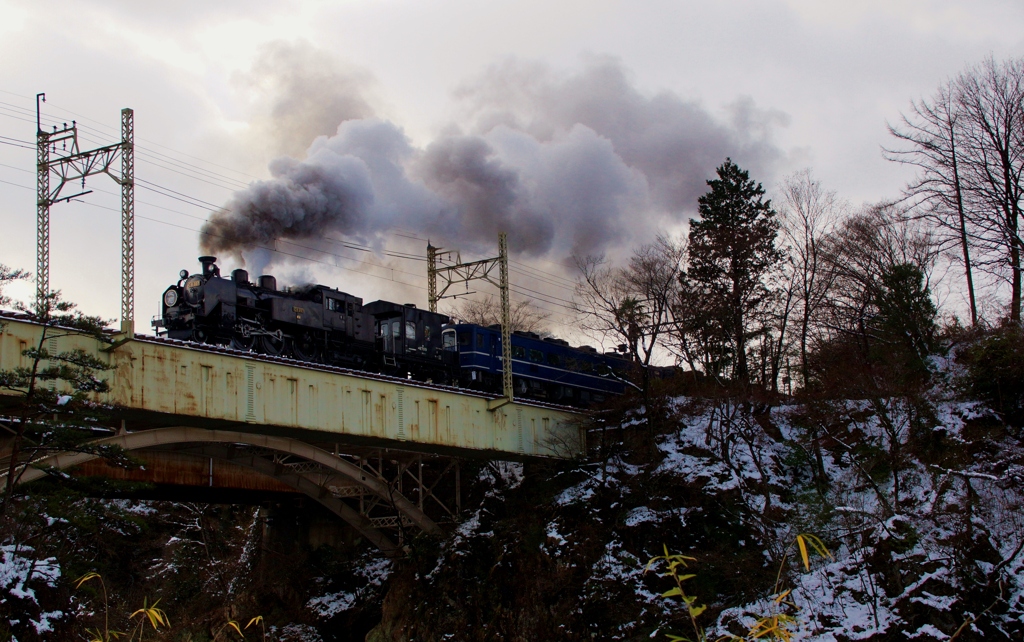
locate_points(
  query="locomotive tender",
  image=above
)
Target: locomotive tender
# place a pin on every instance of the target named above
(324, 325)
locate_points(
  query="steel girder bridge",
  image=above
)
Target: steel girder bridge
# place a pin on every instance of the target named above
(379, 452)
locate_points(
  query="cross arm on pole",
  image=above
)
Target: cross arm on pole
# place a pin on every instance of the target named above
(81, 165)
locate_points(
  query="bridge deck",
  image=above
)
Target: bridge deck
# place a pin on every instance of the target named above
(155, 382)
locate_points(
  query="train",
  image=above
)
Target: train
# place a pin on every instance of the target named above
(321, 324)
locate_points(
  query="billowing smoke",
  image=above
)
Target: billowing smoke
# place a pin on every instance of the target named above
(576, 163)
(486, 195)
(300, 92)
(674, 143)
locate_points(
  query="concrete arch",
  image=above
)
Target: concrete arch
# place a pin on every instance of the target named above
(208, 438)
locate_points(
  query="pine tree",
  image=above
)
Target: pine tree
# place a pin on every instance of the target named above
(732, 255)
(48, 407)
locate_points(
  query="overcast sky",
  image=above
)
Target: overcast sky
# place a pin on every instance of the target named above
(585, 125)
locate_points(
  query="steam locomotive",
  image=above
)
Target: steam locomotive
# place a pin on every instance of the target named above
(321, 324)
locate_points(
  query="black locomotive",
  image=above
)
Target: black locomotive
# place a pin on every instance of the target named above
(324, 325)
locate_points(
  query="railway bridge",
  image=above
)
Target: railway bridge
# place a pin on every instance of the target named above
(381, 453)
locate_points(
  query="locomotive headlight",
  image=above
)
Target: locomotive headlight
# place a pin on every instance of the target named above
(183, 275)
(171, 298)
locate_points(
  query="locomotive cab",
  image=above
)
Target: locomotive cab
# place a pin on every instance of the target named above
(406, 333)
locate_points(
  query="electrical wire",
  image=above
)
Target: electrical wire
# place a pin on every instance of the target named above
(270, 249)
(18, 140)
(17, 185)
(30, 112)
(182, 194)
(538, 274)
(111, 129)
(230, 188)
(543, 280)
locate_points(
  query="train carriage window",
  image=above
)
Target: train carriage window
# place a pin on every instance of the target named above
(464, 339)
(396, 329)
(334, 305)
(351, 308)
(572, 364)
(518, 352)
(536, 356)
(586, 366)
(481, 341)
(554, 359)
(410, 331)
(448, 339)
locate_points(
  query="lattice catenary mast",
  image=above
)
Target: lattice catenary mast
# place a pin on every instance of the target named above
(460, 272)
(77, 165)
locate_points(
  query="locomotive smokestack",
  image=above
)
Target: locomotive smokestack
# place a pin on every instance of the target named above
(209, 266)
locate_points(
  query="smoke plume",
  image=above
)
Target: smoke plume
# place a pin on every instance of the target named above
(580, 162)
(300, 92)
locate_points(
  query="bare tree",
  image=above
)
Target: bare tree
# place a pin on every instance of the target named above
(967, 142)
(991, 99)
(524, 316)
(933, 132)
(862, 253)
(809, 214)
(631, 305)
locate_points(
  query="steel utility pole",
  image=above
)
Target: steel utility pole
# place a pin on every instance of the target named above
(76, 165)
(460, 272)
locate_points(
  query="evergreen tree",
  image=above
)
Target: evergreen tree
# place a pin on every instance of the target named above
(732, 255)
(48, 407)
(906, 313)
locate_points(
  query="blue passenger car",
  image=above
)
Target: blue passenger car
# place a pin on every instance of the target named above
(548, 369)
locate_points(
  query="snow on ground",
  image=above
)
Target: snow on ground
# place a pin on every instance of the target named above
(374, 572)
(19, 571)
(913, 519)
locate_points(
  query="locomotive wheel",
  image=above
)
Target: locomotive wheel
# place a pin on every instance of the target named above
(272, 346)
(199, 335)
(306, 348)
(243, 339)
